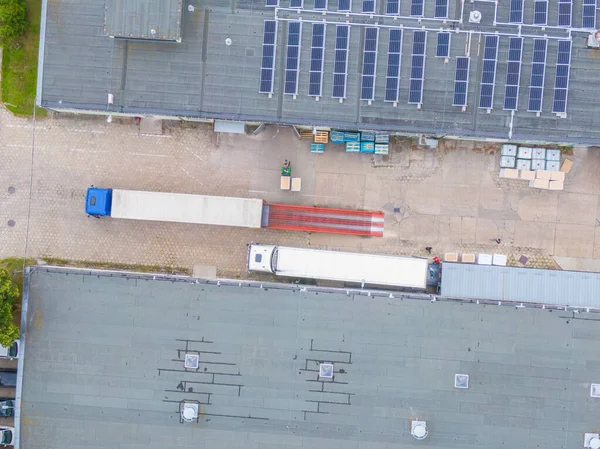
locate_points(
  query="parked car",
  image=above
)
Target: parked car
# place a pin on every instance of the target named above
(7, 407)
(8, 378)
(7, 435)
(10, 353)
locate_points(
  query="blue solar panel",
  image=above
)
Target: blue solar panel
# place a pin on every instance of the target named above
(296, 3)
(268, 57)
(343, 5)
(488, 76)
(368, 6)
(392, 7)
(417, 70)
(441, 9)
(561, 82)
(271, 2)
(513, 73)
(416, 8)
(317, 50)
(443, 45)
(589, 14)
(393, 68)
(320, 4)
(292, 61)
(538, 72)
(369, 63)
(340, 65)
(461, 81)
(540, 12)
(565, 9)
(516, 11)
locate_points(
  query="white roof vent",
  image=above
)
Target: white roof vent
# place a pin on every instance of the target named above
(326, 370)
(475, 17)
(461, 381)
(593, 40)
(188, 411)
(591, 441)
(191, 361)
(595, 391)
(418, 429)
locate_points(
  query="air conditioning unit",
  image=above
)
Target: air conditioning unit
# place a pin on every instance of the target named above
(593, 40)
(475, 17)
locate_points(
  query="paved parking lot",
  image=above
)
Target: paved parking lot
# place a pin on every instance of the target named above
(450, 199)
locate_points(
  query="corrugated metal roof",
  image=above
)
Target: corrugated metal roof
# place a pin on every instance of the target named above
(552, 287)
(148, 19)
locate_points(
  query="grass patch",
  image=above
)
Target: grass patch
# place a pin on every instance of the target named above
(116, 266)
(19, 66)
(14, 266)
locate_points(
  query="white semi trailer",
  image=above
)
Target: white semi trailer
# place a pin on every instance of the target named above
(392, 271)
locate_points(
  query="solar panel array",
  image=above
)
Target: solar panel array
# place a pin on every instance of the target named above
(317, 53)
(565, 10)
(540, 12)
(538, 74)
(416, 8)
(320, 4)
(292, 62)
(392, 79)
(516, 11)
(461, 81)
(589, 14)
(343, 5)
(417, 70)
(392, 7)
(369, 63)
(561, 82)
(340, 67)
(441, 9)
(296, 3)
(443, 44)
(271, 2)
(267, 68)
(488, 76)
(513, 73)
(368, 5)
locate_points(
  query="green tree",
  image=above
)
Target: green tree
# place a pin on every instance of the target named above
(13, 18)
(9, 292)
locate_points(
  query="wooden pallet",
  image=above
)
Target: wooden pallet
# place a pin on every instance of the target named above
(305, 133)
(322, 137)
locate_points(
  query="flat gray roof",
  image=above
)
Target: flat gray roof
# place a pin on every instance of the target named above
(143, 19)
(104, 368)
(553, 287)
(205, 77)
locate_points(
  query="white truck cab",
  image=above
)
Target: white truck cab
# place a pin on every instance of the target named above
(7, 436)
(10, 353)
(262, 258)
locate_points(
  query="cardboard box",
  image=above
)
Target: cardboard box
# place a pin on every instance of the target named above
(543, 174)
(557, 176)
(451, 257)
(509, 173)
(468, 258)
(567, 165)
(528, 175)
(285, 183)
(539, 183)
(296, 184)
(556, 185)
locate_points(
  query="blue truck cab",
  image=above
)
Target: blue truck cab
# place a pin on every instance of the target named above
(98, 202)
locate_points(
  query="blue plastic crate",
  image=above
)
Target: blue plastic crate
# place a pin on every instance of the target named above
(367, 136)
(382, 137)
(367, 147)
(337, 137)
(317, 147)
(351, 137)
(381, 148)
(353, 147)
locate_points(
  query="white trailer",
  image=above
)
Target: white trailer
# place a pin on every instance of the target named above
(184, 208)
(393, 271)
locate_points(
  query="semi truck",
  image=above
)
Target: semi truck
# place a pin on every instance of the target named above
(229, 211)
(355, 268)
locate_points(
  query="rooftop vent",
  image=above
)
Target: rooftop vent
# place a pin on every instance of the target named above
(475, 17)
(191, 361)
(595, 391)
(418, 429)
(326, 370)
(188, 411)
(461, 381)
(591, 441)
(593, 40)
